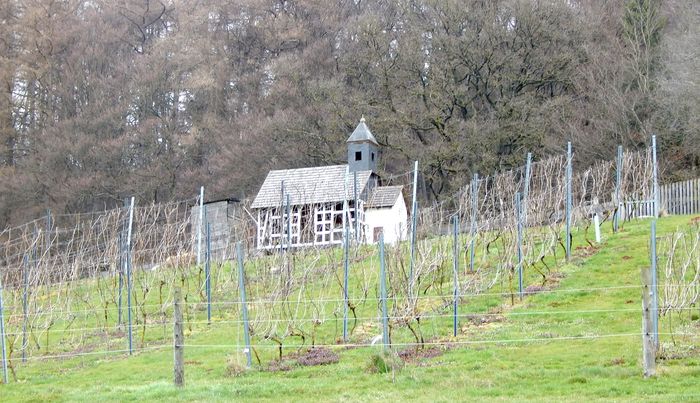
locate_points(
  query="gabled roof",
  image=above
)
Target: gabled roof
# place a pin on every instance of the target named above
(361, 134)
(384, 196)
(310, 185)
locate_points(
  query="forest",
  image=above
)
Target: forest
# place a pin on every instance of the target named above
(104, 99)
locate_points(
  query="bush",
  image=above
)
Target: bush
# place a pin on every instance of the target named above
(385, 361)
(233, 368)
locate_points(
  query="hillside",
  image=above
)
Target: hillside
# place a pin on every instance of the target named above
(575, 337)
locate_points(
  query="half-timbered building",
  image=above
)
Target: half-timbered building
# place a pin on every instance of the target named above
(317, 206)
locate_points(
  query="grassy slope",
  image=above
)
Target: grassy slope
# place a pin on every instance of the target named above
(607, 368)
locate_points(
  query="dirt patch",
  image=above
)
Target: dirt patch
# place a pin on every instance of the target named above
(234, 369)
(553, 279)
(481, 320)
(586, 251)
(413, 354)
(280, 366)
(616, 361)
(535, 289)
(318, 356)
(626, 257)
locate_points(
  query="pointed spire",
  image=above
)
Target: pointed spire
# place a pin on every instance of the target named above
(362, 134)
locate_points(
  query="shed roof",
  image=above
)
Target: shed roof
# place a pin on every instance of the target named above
(310, 185)
(384, 196)
(362, 133)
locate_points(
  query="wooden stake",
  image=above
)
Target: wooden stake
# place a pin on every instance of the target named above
(178, 341)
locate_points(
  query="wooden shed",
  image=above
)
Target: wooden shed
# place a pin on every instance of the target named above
(220, 216)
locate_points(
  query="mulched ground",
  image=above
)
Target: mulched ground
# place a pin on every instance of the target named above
(413, 354)
(318, 356)
(311, 357)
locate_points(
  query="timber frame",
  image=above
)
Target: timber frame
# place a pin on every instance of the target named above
(318, 224)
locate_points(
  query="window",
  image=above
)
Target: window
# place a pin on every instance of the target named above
(358, 155)
(372, 157)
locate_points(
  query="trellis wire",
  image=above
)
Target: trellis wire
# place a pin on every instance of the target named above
(86, 247)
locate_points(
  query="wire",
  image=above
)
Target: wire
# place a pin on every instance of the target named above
(168, 304)
(447, 343)
(336, 300)
(463, 315)
(435, 343)
(73, 355)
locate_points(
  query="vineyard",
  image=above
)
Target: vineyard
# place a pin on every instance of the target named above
(493, 277)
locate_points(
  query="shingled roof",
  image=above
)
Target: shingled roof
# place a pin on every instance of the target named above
(384, 196)
(362, 133)
(310, 185)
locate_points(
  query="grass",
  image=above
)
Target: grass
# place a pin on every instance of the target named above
(585, 368)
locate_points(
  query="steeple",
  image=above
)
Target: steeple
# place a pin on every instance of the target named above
(363, 149)
(362, 133)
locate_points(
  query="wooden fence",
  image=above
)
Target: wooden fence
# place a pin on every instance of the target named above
(675, 198)
(681, 197)
(637, 209)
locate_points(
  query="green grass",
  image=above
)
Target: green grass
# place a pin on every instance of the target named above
(550, 368)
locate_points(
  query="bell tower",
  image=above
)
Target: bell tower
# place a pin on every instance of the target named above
(363, 149)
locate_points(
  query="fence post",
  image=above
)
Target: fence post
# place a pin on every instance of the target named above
(282, 226)
(35, 245)
(30, 262)
(455, 263)
(654, 286)
(518, 217)
(568, 200)
(473, 226)
(618, 188)
(199, 225)
(648, 350)
(2, 337)
(357, 218)
(414, 211)
(48, 230)
(346, 202)
(122, 263)
(383, 293)
(656, 176)
(128, 274)
(25, 307)
(346, 254)
(289, 221)
(526, 187)
(207, 272)
(178, 341)
(244, 306)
